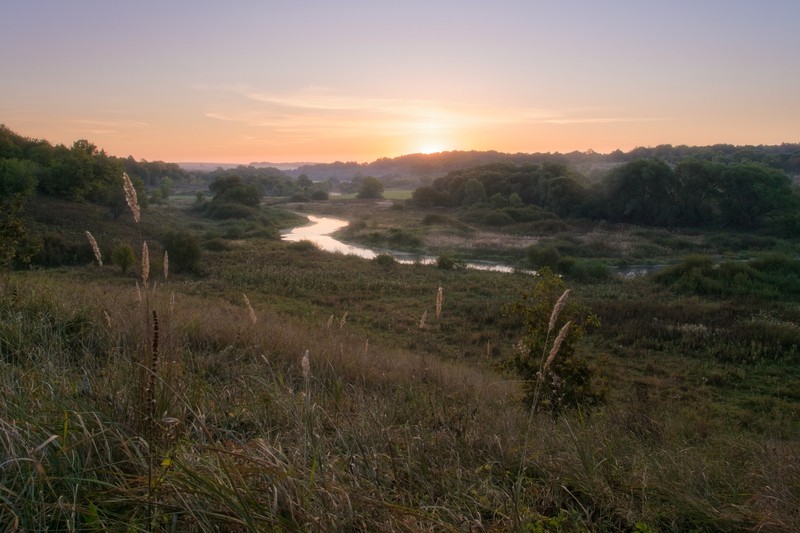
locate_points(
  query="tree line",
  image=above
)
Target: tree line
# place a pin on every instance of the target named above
(646, 191)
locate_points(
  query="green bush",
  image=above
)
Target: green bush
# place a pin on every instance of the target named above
(385, 260)
(123, 256)
(589, 271)
(447, 262)
(184, 251)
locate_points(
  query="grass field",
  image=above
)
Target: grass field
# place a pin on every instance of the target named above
(280, 388)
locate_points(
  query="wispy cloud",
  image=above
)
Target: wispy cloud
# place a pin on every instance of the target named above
(319, 112)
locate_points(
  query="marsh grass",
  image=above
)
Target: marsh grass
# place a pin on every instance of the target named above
(389, 438)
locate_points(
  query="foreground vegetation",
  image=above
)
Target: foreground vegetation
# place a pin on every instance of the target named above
(317, 402)
(179, 368)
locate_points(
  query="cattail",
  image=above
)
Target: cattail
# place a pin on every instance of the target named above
(250, 309)
(306, 365)
(130, 197)
(439, 303)
(95, 248)
(422, 320)
(166, 265)
(145, 264)
(343, 321)
(556, 310)
(556, 347)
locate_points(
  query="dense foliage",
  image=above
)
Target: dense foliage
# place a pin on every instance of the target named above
(650, 192)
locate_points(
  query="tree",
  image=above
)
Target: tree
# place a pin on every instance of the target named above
(17, 183)
(123, 256)
(474, 192)
(232, 189)
(370, 188)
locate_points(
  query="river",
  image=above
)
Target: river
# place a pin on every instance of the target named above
(319, 230)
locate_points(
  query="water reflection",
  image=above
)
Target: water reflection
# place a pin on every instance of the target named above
(320, 229)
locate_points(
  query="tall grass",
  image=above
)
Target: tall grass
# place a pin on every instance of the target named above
(240, 432)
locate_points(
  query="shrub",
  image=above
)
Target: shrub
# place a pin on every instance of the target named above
(123, 256)
(385, 260)
(447, 262)
(543, 255)
(589, 271)
(498, 218)
(184, 251)
(556, 376)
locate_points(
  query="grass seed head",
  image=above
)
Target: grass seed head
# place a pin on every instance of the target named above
(130, 197)
(145, 264)
(556, 347)
(306, 365)
(95, 248)
(250, 309)
(439, 294)
(557, 309)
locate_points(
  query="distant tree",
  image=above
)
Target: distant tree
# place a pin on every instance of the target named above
(165, 187)
(232, 189)
(304, 181)
(370, 188)
(474, 192)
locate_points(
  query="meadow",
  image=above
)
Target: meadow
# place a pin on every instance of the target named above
(280, 388)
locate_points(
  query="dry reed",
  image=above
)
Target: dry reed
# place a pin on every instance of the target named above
(556, 310)
(145, 264)
(306, 365)
(556, 347)
(250, 309)
(166, 265)
(95, 248)
(130, 197)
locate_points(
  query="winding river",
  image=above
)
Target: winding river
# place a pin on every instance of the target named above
(319, 231)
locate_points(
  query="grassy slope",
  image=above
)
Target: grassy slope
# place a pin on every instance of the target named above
(394, 428)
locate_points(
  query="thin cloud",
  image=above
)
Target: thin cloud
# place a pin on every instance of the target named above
(319, 112)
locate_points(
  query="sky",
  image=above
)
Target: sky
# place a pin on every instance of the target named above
(283, 81)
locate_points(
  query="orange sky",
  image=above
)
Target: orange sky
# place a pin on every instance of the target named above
(355, 80)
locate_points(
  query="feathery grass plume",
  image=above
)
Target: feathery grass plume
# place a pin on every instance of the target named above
(145, 264)
(439, 303)
(138, 293)
(556, 348)
(108, 318)
(306, 365)
(166, 265)
(130, 197)
(556, 310)
(366, 347)
(95, 249)
(330, 322)
(343, 321)
(250, 309)
(422, 320)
